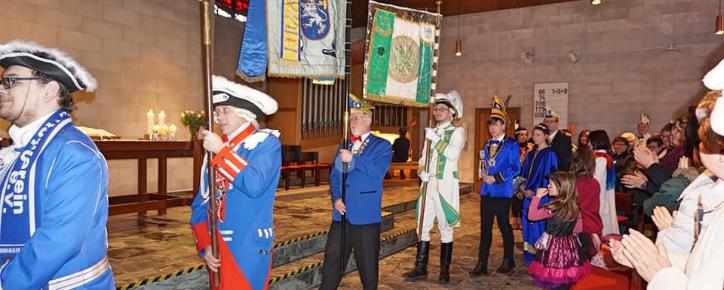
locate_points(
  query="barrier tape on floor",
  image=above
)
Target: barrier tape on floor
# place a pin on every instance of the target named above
(161, 278)
(306, 267)
(311, 266)
(287, 242)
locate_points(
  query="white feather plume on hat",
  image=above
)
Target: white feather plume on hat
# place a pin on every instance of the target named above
(50, 61)
(714, 80)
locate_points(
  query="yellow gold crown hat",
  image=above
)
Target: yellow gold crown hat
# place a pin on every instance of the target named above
(499, 108)
(357, 105)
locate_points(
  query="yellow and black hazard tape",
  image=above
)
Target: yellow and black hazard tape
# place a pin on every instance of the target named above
(297, 239)
(397, 234)
(160, 278)
(297, 271)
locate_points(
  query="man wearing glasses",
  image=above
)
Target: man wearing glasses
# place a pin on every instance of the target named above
(442, 199)
(54, 179)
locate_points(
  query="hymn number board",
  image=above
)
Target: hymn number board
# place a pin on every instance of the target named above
(553, 95)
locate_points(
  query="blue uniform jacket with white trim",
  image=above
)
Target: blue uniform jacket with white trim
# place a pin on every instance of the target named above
(245, 223)
(364, 182)
(69, 245)
(505, 168)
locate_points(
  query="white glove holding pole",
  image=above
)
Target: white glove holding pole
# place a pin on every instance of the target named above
(424, 176)
(431, 135)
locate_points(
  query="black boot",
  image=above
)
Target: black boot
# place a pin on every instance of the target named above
(507, 266)
(420, 270)
(445, 259)
(480, 269)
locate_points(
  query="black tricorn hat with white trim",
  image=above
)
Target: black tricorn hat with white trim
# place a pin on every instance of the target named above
(228, 93)
(49, 61)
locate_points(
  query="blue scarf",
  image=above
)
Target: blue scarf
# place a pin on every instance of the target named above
(19, 218)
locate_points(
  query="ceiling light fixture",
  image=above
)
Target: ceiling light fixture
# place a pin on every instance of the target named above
(459, 42)
(720, 21)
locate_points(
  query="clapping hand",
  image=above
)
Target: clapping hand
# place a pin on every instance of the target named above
(636, 180)
(662, 218)
(646, 258)
(645, 157)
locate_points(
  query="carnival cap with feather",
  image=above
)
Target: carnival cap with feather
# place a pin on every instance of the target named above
(357, 105)
(49, 61)
(499, 108)
(228, 93)
(645, 119)
(550, 113)
(452, 100)
(714, 80)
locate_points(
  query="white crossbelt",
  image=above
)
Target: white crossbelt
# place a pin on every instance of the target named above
(80, 278)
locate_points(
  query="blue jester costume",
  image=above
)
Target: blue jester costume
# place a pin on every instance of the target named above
(536, 168)
(54, 188)
(248, 169)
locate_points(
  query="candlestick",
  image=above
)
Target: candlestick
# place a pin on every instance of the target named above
(162, 118)
(149, 123)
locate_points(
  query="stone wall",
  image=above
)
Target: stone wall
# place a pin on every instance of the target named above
(625, 65)
(145, 55)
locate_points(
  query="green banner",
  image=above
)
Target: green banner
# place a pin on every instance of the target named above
(380, 43)
(424, 78)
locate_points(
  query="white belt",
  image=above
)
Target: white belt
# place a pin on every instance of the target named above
(81, 278)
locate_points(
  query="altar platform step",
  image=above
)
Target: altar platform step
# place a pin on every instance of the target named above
(302, 274)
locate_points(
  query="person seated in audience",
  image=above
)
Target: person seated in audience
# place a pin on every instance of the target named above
(688, 252)
(655, 144)
(630, 137)
(671, 159)
(623, 161)
(668, 194)
(665, 134)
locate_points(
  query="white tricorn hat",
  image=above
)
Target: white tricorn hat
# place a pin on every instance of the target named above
(228, 93)
(714, 80)
(453, 100)
(49, 61)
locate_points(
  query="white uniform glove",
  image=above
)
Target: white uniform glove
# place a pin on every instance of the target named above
(431, 134)
(424, 176)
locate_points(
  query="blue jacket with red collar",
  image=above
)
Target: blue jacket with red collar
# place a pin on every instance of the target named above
(364, 181)
(504, 166)
(248, 168)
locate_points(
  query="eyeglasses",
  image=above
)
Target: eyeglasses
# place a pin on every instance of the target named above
(8, 82)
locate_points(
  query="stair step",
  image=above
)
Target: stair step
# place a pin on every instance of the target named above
(301, 247)
(309, 273)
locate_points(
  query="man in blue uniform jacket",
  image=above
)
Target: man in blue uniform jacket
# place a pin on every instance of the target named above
(500, 165)
(54, 179)
(368, 159)
(247, 165)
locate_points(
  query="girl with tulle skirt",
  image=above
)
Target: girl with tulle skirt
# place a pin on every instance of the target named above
(560, 258)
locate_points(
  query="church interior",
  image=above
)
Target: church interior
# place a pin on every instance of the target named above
(600, 65)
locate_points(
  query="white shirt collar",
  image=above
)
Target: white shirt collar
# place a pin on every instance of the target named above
(238, 131)
(22, 135)
(552, 135)
(444, 124)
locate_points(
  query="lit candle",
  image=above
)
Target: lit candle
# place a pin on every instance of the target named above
(149, 123)
(162, 118)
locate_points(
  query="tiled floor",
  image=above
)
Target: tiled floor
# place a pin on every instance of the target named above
(165, 244)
